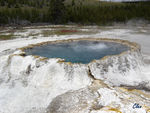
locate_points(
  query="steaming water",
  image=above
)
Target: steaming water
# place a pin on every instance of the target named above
(78, 52)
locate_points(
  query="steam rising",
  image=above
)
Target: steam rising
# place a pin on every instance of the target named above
(78, 52)
(91, 46)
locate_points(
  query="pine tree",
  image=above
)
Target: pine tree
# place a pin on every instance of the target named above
(57, 11)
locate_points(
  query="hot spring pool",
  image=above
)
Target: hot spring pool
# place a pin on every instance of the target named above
(82, 51)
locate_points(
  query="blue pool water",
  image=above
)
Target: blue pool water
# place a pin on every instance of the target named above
(78, 51)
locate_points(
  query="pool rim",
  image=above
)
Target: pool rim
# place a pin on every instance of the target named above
(132, 47)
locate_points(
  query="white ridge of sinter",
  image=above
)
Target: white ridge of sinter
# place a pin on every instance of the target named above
(31, 84)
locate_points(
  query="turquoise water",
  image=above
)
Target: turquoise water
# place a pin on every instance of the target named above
(78, 51)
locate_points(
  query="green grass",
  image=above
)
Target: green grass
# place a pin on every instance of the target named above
(6, 37)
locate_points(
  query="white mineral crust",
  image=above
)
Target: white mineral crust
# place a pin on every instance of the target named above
(30, 84)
